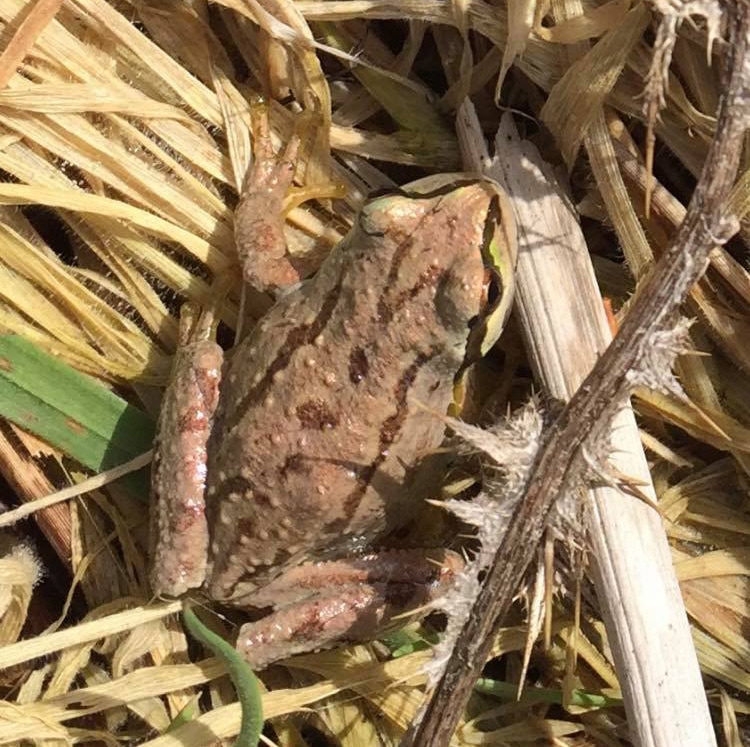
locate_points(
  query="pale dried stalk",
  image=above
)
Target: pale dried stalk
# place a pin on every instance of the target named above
(562, 315)
(93, 630)
(563, 319)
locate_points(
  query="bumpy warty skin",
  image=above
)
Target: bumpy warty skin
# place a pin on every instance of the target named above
(319, 442)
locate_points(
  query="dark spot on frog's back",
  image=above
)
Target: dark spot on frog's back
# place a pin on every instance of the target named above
(385, 312)
(316, 415)
(295, 463)
(262, 499)
(359, 366)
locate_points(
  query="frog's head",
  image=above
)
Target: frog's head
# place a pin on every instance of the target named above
(485, 212)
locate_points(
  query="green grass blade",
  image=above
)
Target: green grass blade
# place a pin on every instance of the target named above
(245, 682)
(509, 691)
(68, 410)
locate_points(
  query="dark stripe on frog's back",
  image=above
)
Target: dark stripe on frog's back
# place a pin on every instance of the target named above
(298, 337)
(389, 430)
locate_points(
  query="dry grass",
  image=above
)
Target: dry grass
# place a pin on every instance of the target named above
(128, 123)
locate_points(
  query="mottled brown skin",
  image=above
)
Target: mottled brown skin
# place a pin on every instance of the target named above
(326, 426)
(319, 440)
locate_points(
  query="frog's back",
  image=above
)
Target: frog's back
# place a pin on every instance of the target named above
(328, 410)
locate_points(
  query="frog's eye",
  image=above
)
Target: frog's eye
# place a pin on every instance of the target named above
(492, 290)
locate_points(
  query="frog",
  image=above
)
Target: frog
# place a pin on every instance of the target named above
(281, 468)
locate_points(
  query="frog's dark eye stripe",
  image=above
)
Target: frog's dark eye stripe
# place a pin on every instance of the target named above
(493, 289)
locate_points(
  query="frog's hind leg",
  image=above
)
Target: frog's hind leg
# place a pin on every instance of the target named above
(179, 530)
(344, 600)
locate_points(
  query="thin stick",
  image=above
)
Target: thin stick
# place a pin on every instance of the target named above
(92, 483)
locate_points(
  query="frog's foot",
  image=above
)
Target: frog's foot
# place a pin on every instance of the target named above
(340, 601)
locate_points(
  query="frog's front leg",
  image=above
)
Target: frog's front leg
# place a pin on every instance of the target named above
(260, 216)
(321, 604)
